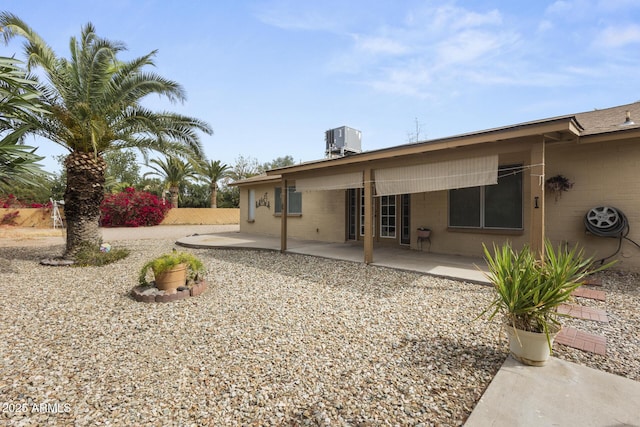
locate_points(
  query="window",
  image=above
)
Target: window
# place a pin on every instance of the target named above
(252, 206)
(294, 201)
(489, 206)
(388, 216)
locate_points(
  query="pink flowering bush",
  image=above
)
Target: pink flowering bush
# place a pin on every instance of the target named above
(132, 208)
(11, 202)
(10, 218)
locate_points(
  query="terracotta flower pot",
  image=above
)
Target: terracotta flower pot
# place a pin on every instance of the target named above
(530, 348)
(170, 280)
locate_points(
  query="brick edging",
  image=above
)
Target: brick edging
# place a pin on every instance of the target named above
(138, 293)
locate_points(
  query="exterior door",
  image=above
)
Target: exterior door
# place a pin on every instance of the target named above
(361, 216)
(388, 217)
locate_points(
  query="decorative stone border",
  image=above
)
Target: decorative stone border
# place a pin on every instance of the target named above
(153, 294)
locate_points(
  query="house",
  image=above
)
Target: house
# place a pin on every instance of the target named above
(481, 187)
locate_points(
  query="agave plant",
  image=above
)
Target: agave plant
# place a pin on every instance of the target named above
(529, 289)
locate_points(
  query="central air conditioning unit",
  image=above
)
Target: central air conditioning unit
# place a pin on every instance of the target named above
(342, 141)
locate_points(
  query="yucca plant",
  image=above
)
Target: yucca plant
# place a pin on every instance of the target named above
(528, 289)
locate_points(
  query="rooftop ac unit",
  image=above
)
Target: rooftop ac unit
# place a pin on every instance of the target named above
(342, 141)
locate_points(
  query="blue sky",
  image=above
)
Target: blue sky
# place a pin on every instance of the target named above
(271, 76)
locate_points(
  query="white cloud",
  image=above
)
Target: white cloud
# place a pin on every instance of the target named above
(545, 25)
(560, 7)
(412, 81)
(573, 10)
(467, 47)
(284, 15)
(451, 18)
(615, 37)
(438, 48)
(380, 45)
(623, 5)
(436, 38)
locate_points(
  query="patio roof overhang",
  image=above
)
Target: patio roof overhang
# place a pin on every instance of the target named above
(259, 179)
(560, 129)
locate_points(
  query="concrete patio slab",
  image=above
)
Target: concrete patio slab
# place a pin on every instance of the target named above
(451, 266)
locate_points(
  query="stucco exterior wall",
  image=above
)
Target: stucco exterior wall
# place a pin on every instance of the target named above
(264, 222)
(604, 174)
(323, 215)
(431, 210)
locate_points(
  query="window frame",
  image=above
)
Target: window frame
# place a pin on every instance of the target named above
(291, 189)
(388, 203)
(361, 213)
(482, 205)
(251, 214)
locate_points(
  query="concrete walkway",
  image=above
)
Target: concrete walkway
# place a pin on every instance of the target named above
(559, 394)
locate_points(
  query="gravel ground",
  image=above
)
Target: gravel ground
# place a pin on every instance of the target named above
(275, 340)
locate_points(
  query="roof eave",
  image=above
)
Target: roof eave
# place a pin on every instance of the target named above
(616, 135)
(566, 126)
(256, 180)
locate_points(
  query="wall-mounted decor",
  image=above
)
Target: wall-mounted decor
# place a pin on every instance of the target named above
(263, 201)
(557, 184)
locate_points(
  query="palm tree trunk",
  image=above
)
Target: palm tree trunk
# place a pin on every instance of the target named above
(214, 196)
(174, 196)
(82, 199)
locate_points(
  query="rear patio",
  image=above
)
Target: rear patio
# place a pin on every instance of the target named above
(468, 269)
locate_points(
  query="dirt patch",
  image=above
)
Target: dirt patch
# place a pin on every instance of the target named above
(21, 236)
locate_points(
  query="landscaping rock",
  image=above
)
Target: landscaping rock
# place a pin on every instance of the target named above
(279, 339)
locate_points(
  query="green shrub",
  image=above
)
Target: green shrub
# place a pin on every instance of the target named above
(93, 256)
(195, 267)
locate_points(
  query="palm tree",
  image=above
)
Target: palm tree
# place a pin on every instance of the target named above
(94, 100)
(19, 102)
(212, 172)
(174, 172)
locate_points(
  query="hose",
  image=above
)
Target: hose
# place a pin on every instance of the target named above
(607, 221)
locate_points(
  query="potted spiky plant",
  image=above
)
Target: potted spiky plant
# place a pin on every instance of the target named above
(172, 270)
(527, 292)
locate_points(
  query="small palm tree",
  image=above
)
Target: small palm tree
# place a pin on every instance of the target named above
(174, 172)
(212, 172)
(94, 101)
